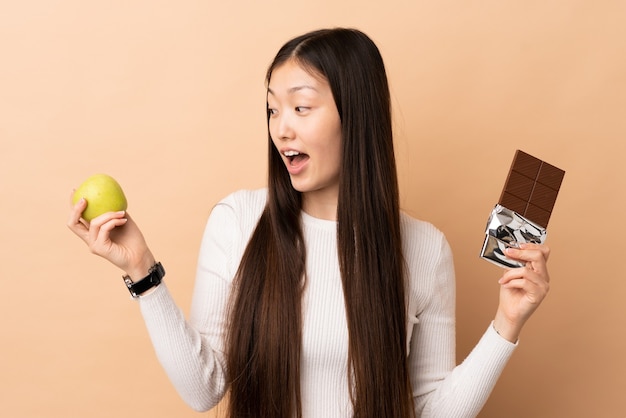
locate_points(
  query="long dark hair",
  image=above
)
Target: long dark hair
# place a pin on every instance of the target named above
(265, 329)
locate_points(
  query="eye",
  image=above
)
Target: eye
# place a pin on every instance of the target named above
(271, 111)
(301, 109)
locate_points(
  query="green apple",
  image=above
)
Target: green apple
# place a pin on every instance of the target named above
(102, 193)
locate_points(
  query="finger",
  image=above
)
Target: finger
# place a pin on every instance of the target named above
(104, 242)
(544, 249)
(74, 221)
(514, 283)
(524, 277)
(528, 252)
(533, 290)
(101, 226)
(533, 256)
(106, 228)
(531, 250)
(523, 273)
(525, 300)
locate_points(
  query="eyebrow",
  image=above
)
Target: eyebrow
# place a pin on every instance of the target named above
(294, 89)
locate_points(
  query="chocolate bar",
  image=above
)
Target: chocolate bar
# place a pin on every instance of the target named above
(524, 208)
(531, 188)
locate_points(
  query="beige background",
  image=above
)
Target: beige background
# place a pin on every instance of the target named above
(168, 97)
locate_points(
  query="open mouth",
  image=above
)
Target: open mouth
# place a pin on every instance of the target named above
(295, 158)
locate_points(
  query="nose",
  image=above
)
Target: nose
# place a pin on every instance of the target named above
(281, 127)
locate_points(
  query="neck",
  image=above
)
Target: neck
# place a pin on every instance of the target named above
(321, 206)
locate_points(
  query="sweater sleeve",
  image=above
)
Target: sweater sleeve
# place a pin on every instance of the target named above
(441, 389)
(192, 351)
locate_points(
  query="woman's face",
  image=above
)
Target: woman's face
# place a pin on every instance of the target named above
(305, 128)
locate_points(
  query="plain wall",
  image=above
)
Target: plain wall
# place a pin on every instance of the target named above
(168, 97)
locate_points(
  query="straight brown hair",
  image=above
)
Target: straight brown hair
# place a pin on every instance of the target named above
(264, 338)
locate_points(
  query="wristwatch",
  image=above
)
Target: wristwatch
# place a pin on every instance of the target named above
(153, 279)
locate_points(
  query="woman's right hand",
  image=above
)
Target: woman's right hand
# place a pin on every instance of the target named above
(115, 237)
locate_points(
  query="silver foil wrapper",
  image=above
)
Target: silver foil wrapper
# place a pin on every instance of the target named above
(507, 228)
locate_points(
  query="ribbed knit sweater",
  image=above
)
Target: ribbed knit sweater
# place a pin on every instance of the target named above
(192, 351)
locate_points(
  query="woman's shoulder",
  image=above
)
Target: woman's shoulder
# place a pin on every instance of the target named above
(246, 199)
(423, 240)
(243, 207)
(414, 227)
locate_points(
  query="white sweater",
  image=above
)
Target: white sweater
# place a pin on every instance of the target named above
(192, 352)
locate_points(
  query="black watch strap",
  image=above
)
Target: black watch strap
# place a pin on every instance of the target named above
(153, 279)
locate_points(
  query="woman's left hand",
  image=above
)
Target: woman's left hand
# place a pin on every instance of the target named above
(522, 289)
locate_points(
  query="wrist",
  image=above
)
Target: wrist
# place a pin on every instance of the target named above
(147, 283)
(507, 329)
(140, 268)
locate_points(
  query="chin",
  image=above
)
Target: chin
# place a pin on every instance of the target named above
(300, 188)
(299, 185)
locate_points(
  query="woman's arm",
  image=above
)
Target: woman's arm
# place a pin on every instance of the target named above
(442, 389)
(191, 352)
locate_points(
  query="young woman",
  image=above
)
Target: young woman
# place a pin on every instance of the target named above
(318, 297)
